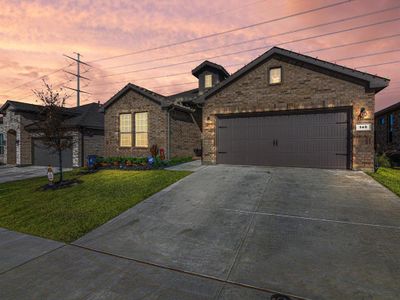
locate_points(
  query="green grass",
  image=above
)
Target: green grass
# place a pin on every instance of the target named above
(389, 178)
(67, 214)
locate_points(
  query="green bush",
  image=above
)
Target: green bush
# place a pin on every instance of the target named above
(384, 161)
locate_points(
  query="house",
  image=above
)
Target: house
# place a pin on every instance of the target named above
(1, 140)
(23, 140)
(281, 109)
(387, 129)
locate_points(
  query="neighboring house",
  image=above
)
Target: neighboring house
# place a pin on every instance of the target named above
(387, 129)
(282, 109)
(1, 141)
(23, 141)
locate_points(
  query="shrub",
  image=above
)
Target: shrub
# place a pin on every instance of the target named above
(383, 161)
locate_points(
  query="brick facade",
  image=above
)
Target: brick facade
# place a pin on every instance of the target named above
(185, 137)
(133, 102)
(301, 88)
(382, 140)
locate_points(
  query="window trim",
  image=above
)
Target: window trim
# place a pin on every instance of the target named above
(269, 75)
(119, 130)
(205, 81)
(134, 130)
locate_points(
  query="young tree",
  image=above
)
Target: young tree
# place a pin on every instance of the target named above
(52, 119)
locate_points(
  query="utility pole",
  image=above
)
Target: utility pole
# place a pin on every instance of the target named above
(78, 77)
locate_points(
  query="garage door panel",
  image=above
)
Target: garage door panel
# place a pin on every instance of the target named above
(303, 140)
(43, 156)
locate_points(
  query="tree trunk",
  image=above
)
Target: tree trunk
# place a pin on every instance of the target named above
(60, 168)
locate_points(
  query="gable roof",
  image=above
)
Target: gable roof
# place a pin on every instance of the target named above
(87, 116)
(159, 99)
(374, 82)
(196, 71)
(388, 109)
(21, 106)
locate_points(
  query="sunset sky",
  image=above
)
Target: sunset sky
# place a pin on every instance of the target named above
(34, 35)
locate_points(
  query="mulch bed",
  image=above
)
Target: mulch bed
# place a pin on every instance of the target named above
(61, 185)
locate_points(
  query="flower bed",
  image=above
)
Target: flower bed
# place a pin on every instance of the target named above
(138, 163)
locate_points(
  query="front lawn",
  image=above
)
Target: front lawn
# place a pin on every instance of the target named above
(67, 214)
(389, 178)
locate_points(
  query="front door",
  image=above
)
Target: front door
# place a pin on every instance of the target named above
(11, 147)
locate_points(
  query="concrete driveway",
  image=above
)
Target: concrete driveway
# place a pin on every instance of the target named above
(11, 173)
(228, 232)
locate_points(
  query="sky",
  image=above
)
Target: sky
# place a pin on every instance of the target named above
(35, 36)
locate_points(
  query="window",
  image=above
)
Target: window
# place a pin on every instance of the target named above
(382, 121)
(275, 75)
(208, 81)
(125, 130)
(1, 143)
(391, 125)
(141, 129)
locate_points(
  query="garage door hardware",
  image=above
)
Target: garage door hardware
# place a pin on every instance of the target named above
(221, 152)
(343, 154)
(275, 142)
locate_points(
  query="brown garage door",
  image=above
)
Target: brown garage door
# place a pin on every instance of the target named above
(317, 140)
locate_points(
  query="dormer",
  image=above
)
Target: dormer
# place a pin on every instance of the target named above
(209, 74)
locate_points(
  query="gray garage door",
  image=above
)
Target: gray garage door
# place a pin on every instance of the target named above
(317, 140)
(42, 156)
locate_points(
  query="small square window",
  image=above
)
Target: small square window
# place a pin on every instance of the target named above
(275, 75)
(382, 121)
(208, 81)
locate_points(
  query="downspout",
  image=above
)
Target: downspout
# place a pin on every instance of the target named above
(169, 133)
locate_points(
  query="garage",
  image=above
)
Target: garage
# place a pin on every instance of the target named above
(43, 156)
(316, 139)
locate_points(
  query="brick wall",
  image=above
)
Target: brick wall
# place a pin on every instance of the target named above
(133, 102)
(301, 88)
(381, 132)
(93, 145)
(185, 136)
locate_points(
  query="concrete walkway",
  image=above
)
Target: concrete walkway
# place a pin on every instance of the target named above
(12, 173)
(228, 232)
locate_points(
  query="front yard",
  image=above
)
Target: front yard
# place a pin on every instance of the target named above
(67, 214)
(389, 178)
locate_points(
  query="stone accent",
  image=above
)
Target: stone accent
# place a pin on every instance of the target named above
(185, 136)
(301, 88)
(133, 102)
(382, 132)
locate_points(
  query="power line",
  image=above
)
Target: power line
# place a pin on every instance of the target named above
(232, 65)
(226, 31)
(381, 64)
(258, 39)
(161, 76)
(41, 77)
(358, 67)
(254, 49)
(369, 54)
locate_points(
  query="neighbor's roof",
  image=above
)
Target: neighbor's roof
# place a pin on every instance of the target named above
(87, 116)
(196, 71)
(21, 106)
(374, 82)
(388, 109)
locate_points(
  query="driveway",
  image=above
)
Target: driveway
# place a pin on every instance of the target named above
(11, 173)
(228, 232)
